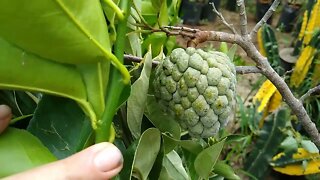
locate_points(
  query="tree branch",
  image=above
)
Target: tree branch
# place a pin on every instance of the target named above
(265, 18)
(269, 72)
(239, 69)
(247, 69)
(309, 93)
(230, 26)
(243, 18)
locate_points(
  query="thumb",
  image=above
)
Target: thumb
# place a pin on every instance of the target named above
(5, 117)
(100, 161)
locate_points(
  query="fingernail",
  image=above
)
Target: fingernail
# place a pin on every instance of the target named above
(108, 159)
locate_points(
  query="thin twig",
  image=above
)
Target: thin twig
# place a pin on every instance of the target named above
(309, 93)
(230, 26)
(243, 18)
(265, 18)
(239, 69)
(247, 69)
(181, 28)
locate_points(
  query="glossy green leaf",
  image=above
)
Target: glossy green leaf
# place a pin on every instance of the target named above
(61, 125)
(59, 30)
(138, 98)
(20, 150)
(225, 170)
(38, 74)
(96, 77)
(270, 138)
(164, 122)
(146, 153)
(156, 40)
(149, 13)
(206, 159)
(174, 167)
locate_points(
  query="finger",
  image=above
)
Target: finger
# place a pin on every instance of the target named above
(5, 117)
(100, 161)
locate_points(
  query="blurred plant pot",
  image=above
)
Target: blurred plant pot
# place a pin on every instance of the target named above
(191, 12)
(262, 7)
(207, 13)
(288, 16)
(231, 5)
(287, 60)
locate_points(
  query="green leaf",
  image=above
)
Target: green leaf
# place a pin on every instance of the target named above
(59, 30)
(224, 47)
(158, 117)
(206, 159)
(116, 89)
(163, 14)
(133, 39)
(173, 166)
(236, 138)
(61, 125)
(96, 77)
(309, 146)
(21, 103)
(289, 144)
(138, 99)
(146, 153)
(225, 170)
(192, 146)
(20, 150)
(156, 3)
(38, 74)
(232, 51)
(267, 144)
(156, 40)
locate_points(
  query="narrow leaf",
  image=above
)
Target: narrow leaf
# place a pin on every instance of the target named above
(206, 160)
(232, 51)
(146, 153)
(269, 139)
(173, 164)
(138, 98)
(225, 170)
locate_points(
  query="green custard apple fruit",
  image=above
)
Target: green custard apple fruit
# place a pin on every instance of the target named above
(198, 87)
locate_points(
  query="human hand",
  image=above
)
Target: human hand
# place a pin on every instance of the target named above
(100, 161)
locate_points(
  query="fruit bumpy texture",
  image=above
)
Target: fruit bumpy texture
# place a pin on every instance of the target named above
(198, 87)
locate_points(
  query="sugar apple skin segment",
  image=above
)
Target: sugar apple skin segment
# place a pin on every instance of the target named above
(197, 87)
